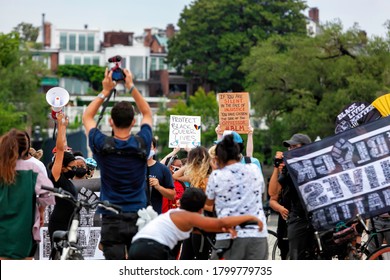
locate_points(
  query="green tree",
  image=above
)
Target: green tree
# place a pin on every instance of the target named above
(215, 35)
(20, 82)
(300, 84)
(27, 32)
(10, 118)
(200, 104)
(92, 73)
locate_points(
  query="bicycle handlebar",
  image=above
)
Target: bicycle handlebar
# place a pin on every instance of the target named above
(83, 203)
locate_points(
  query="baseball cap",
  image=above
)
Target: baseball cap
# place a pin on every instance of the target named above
(296, 139)
(236, 137)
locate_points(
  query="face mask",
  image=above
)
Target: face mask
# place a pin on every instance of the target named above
(151, 154)
(70, 174)
(80, 172)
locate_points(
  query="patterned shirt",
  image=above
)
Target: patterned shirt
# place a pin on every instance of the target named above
(237, 190)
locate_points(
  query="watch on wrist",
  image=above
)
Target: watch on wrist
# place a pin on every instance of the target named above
(102, 96)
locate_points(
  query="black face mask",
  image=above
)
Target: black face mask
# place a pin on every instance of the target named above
(80, 172)
(70, 174)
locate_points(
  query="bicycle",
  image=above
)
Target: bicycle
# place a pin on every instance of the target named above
(382, 251)
(64, 243)
(348, 247)
(274, 252)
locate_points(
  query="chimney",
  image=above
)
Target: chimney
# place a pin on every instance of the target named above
(170, 31)
(148, 37)
(47, 34)
(43, 29)
(314, 15)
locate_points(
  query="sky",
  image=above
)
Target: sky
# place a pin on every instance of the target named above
(134, 16)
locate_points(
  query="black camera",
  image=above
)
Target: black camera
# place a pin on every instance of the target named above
(117, 72)
(277, 162)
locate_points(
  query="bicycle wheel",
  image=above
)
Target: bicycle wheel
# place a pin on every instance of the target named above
(382, 253)
(273, 249)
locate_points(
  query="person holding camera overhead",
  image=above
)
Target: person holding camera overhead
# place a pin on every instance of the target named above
(284, 199)
(122, 168)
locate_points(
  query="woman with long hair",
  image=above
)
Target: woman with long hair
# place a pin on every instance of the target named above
(196, 171)
(20, 197)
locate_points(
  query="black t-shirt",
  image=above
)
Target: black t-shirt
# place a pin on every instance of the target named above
(164, 176)
(290, 196)
(63, 210)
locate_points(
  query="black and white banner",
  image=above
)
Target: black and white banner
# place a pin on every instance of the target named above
(344, 175)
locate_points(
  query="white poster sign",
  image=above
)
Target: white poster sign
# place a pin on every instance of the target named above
(184, 131)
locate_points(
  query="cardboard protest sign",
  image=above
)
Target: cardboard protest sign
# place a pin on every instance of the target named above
(234, 111)
(344, 175)
(184, 131)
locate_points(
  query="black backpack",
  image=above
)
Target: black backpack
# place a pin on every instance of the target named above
(109, 148)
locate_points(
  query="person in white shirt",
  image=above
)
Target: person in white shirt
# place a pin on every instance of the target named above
(156, 240)
(236, 189)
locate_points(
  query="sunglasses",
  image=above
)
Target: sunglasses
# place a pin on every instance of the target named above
(175, 168)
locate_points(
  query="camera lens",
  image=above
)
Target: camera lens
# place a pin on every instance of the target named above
(118, 75)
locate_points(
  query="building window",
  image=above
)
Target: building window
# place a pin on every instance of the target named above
(77, 60)
(72, 42)
(91, 42)
(68, 59)
(137, 67)
(153, 64)
(87, 61)
(63, 41)
(161, 64)
(96, 60)
(82, 42)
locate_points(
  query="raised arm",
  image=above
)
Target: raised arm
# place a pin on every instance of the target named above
(62, 123)
(219, 132)
(171, 154)
(249, 142)
(93, 107)
(274, 187)
(141, 103)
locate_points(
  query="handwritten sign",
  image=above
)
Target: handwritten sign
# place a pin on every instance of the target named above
(184, 131)
(344, 175)
(234, 111)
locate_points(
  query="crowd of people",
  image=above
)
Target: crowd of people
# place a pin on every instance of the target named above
(213, 190)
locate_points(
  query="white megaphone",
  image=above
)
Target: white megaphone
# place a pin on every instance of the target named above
(57, 97)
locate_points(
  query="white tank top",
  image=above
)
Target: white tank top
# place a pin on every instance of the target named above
(163, 230)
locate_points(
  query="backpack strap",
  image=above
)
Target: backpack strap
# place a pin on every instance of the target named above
(247, 159)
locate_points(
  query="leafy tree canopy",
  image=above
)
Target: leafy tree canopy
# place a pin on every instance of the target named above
(27, 32)
(215, 35)
(20, 83)
(91, 73)
(300, 84)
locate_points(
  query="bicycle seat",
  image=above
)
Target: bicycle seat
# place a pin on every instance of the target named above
(59, 235)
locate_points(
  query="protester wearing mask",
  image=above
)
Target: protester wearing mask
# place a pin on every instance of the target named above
(81, 168)
(63, 169)
(160, 180)
(91, 166)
